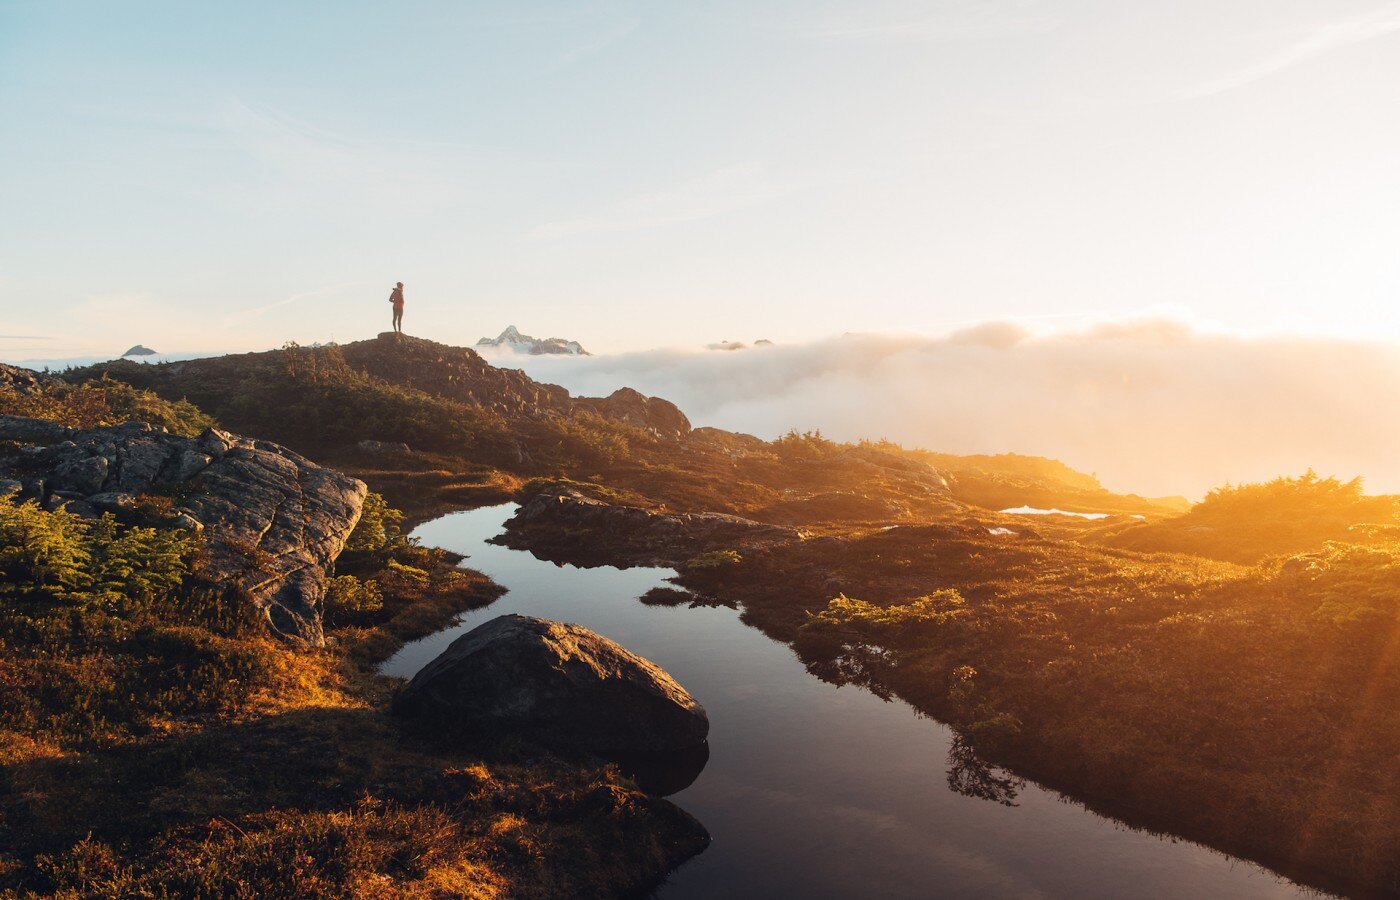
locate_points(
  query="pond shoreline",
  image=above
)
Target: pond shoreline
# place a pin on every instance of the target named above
(712, 805)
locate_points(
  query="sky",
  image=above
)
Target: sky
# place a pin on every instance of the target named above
(198, 176)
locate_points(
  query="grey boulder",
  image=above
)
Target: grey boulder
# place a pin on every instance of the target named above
(560, 683)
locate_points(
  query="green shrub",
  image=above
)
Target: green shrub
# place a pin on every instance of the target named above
(42, 551)
(379, 529)
(58, 555)
(715, 559)
(348, 597)
(804, 445)
(878, 624)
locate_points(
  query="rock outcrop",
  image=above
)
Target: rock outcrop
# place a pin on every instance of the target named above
(23, 381)
(560, 521)
(559, 683)
(273, 521)
(661, 417)
(456, 373)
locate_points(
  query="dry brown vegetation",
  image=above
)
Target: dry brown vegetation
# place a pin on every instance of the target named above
(153, 744)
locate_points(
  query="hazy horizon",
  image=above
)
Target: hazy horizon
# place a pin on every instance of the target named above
(1154, 407)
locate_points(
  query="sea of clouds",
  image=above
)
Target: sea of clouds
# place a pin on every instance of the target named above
(1154, 408)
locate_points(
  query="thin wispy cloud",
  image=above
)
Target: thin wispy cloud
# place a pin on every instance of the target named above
(614, 33)
(966, 21)
(246, 315)
(1378, 23)
(374, 170)
(722, 191)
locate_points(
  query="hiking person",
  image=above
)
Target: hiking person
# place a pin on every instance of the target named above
(396, 298)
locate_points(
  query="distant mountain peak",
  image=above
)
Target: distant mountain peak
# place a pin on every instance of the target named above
(139, 350)
(512, 339)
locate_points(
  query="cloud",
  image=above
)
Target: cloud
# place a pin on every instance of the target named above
(1152, 407)
(722, 191)
(1377, 23)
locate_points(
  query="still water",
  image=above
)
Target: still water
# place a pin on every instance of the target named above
(813, 790)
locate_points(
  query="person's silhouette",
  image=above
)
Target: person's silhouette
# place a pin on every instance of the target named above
(396, 298)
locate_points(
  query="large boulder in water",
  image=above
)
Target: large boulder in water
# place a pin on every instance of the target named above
(557, 682)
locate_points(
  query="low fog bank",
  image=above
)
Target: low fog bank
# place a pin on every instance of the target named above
(1153, 408)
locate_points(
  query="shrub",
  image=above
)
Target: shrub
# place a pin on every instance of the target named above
(880, 624)
(1348, 583)
(103, 401)
(379, 529)
(42, 551)
(804, 445)
(715, 559)
(58, 555)
(349, 598)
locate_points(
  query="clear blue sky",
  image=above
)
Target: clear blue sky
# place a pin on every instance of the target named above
(230, 176)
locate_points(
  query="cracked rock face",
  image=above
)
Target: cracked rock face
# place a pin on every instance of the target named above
(661, 417)
(273, 521)
(557, 681)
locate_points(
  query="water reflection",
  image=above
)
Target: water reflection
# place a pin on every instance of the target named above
(972, 776)
(813, 786)
(664, 774)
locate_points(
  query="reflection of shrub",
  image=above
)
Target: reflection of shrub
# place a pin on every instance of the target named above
(715, 559)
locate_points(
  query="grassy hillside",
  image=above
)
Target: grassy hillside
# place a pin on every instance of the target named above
(1246, 523)
(1008, 480)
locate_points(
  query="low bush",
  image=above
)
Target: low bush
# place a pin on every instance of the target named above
(715, 559)
(103, 401)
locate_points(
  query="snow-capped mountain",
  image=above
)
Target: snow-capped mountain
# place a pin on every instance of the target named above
(511, 339)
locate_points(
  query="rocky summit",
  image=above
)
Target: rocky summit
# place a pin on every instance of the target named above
(272, 520)
(559, 682)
